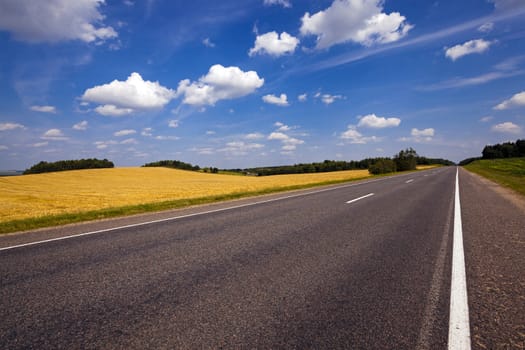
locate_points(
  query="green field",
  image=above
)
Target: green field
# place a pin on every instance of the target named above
(509, 172)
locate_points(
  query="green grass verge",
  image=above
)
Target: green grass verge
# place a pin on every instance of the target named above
(56, 220)
(509, 172)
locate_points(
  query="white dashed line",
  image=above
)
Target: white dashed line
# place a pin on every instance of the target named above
(357, 199)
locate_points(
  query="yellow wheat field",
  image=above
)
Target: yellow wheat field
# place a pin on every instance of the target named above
(32, 196)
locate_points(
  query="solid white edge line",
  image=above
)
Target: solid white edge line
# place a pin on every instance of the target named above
(459, 327)
(362, 197)
(194, 214)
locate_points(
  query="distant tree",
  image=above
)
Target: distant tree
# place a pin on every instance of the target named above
(175, 164)
(382, 166)
(406, 160)
(63, 165)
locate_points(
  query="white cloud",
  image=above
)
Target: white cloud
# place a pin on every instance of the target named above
(423, 135)
(360, 21)
(507, 127)
(147, 132)
(40, 144)
(221, 83)
(10, 126)
(54, 135)
(328, 99)
(289, 143)
(282, 127)
(274, 44)
(302, 97)
(208, 43)
(254, 136)
(3, 148)
(125, 132)
(105, 144)
(240, 148)
(44, 109)
(353, 136)
(373, 121)
(486, 27)
(81, 125)
(113, 111)
(120, 98)
(167, 138)
(173, 123)
(429, 132)
(130, 141)
(283, 3)
(55, 20)
(274, 100)
(470, 47)
(515, 101)
(486, 119)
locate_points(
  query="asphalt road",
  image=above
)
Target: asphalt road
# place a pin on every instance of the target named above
(301, 270)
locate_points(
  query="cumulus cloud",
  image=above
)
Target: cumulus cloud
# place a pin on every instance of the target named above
(221, 83)
(328, 99)
(302, 97)
(44, 109)
(373, 121)
(81, 125)
(254, 136)
(507, 127)
(125, 132)
(113, 111)
(468, 48)
(274, 44)
(10, 126)
(120, 98)
(283, 3)
(282, 127)
(276, 100)
(515, 101)
(105, 144)
(289, 143)
(353, 136)
(173, 123)
(54, 135)
(420, 135)
(240, 148)
(55, 20)
(359, 21)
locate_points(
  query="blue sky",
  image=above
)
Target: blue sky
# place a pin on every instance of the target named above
(258, 82)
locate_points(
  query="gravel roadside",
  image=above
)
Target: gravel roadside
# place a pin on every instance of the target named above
(494, 238)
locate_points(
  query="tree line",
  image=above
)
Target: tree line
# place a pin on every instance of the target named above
(63, 165)
(500, 150)
(404, 160)
(174, 164)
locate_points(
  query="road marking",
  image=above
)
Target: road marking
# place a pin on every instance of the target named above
(458, 327)
(409, 181)
(197, 214)
(362, 197)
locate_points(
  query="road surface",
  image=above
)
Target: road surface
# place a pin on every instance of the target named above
(358, 266)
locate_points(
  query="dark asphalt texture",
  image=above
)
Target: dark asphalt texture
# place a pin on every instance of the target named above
(309, 272)
(494, 238)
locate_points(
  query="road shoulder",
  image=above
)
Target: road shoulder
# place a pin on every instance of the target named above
(494, 235)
